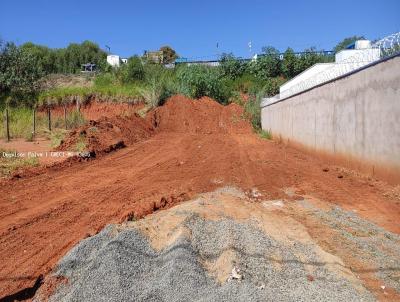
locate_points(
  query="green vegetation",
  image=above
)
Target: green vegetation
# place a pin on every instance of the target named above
(346, 41)
(25, 80)
(21, 122)
(56, 137)
(10, 162)
(196, 81)
(265, 134)
(80, 145)
(65, 60)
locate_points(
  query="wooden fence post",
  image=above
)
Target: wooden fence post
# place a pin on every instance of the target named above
(34, 122)
(49, 117)
(7, 125)
(65, 117)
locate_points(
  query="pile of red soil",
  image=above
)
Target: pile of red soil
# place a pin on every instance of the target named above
(178, 114)
(107, 134)
(205, 116)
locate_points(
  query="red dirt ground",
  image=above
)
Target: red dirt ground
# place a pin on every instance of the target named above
(108, 134)
(197, 146)
(40, 146)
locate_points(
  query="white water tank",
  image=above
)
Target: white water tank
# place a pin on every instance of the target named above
(113, 60)
(362, 44)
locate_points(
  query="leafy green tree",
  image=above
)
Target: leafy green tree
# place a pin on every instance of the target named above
(19, 75)
(132, 71)
(267, 65)
(45, 57)
(231, 66)
(289, 63)
(169, 54)
(306, 60)
(346, 41)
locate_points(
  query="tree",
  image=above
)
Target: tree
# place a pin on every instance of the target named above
(19, 75)
(231, 67)
(45, 57)
(289, 63)
(346, 41)
(132, 71)
(266, 65)
(308, 58)
(169, 55)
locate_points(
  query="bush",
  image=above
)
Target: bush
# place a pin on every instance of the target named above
(271, 86)
(253, 111)
(197, 81)
(104, 79)
(232, 67)
(247, 83)
(266, 66)
(132, 71)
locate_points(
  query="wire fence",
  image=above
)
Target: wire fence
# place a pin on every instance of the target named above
(385, 47)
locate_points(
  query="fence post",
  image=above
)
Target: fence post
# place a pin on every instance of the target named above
(7, 125)
(34, 122)
(49, 117)
(65, 116)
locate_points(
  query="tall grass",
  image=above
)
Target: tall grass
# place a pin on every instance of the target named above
(107, 92)
(21, 123)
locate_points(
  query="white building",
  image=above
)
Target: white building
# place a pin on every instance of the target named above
(113, 60)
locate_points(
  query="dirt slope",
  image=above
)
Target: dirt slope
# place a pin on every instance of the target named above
(203, 116)
(107, 134)
(42, 217)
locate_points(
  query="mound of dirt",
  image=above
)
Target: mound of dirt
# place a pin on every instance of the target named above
(205, 116)
(107, 134)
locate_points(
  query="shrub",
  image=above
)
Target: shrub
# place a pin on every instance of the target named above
(247, 83)
(271, 86)
(232, 67)
(132, 71)
(253, 111)
(197, 81)
(266, 66)
(104, 79)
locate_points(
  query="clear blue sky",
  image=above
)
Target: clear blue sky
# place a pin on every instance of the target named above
(193, 28)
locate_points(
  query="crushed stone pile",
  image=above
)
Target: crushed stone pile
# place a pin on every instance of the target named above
(218, 247)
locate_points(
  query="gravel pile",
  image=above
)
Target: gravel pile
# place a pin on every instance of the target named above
(369, 242)
(119, 264)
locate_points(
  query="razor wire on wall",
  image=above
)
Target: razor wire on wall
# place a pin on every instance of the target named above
(385, 47)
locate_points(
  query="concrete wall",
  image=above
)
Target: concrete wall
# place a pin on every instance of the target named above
(354, 118)
(304, 76)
